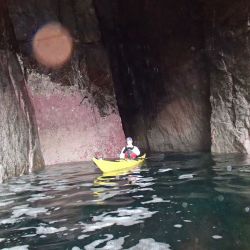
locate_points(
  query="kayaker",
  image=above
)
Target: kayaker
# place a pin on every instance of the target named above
(130, 151)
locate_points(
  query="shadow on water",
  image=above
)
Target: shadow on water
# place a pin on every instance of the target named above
(174, 201)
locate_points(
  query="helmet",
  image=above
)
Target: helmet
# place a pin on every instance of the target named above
(129, 139)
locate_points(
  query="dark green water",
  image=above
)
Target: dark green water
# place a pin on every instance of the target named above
(176, 201)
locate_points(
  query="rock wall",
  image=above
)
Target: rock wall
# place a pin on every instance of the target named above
(228, 48)
(180, 70)
(75, 105)
(19, 143)
(70, 128)
(160, 71)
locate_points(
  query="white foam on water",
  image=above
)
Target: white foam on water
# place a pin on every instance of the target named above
(63, 181)
(155, 199)
(95, 243)
(139, 212)
(244, 170)
(147, 179)
(150, 244)
(139, 176)
(122, 216)
(49, 230)
(178, 226)
(43, 236)
(138, 196)
(186, 176)
(146, 189)
(2, 239)
(6, 194)
(137, 171)
(46, 182)
(20, 206)
(188, 221)
(124, 221)
(25, 187)
(61, 188)
(217, 237)
(145, 184)
(37, 197)
(96, 226)
(86, 185)
(6, 203)
(76, 248)
(81, 237)
(42, 224)
(8, 221)
(28, 235)
(23, 247)
(115, 244)
(20, 181)
(55, 221)
(135, 190)
(30, 211)
(163, 170)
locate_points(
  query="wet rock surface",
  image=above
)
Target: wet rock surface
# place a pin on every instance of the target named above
(181, 72)
(160, 71)
(75, 104)
(228, 48)
(20, 147)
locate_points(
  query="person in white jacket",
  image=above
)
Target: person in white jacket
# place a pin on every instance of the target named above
(130, 151)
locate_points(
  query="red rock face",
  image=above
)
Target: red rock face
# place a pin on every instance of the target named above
(75, 105)
(71, 131)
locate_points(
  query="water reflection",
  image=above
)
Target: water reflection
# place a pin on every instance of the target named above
(179, 201)
(117, 185)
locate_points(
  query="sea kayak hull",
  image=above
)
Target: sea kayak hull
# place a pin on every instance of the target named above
(120, 165)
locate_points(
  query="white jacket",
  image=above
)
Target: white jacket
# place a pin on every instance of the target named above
(135, 150)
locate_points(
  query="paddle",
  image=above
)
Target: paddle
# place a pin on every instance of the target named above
(157, 157)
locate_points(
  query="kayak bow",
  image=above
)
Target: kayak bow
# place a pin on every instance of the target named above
(118, 165)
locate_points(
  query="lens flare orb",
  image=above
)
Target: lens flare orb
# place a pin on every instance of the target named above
(52, 45)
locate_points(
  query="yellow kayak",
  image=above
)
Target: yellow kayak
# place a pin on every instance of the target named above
(119, 165)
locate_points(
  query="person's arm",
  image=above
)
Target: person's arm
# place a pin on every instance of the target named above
(136, 151)
(122, 155)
